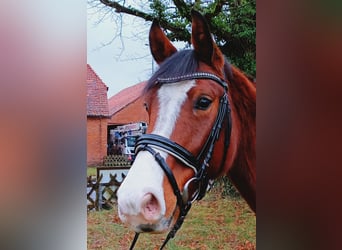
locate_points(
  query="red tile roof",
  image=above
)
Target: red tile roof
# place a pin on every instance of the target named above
(97, 101)
(125, 97)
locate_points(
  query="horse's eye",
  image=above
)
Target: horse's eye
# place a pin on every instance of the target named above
(203, 103)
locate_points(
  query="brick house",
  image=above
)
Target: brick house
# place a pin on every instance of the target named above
(127, 106)
(103, 114)
(97, 118)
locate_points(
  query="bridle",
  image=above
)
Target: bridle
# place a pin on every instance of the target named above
(199, 164)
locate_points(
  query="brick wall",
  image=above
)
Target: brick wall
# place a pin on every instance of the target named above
(96, 140)
(134, 112)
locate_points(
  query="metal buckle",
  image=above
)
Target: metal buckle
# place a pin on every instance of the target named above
(185, 194)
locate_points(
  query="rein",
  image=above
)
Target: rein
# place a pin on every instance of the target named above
(199, 164)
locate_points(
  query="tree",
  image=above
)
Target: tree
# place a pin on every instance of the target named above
(232, 22)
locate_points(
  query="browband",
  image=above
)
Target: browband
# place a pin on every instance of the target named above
(196, 75)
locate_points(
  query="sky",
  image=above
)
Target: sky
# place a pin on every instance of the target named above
(119, 64)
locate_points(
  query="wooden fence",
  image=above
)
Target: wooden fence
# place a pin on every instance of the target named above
(92, 193)
(102, 188)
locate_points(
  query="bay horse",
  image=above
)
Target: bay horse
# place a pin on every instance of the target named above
(201, 126)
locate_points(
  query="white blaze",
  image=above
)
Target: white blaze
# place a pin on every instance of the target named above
(171, 98)
(145, 175)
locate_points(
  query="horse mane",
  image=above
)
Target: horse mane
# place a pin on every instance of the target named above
(243, 170)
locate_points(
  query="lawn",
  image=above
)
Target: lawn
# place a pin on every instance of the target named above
(212, 223)
(91, 170)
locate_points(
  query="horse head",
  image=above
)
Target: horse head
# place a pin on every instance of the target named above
(191, 138)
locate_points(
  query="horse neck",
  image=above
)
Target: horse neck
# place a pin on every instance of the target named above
(242, 172)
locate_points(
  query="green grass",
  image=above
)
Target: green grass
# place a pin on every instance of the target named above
(212, 223)
(91, 170)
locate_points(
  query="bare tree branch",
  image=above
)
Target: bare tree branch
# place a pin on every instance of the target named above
(231, 21)
(131, 11)
(148, 17)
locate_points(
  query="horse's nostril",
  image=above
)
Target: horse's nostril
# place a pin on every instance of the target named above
(150, 207)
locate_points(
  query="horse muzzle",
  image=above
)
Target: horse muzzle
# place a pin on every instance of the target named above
(144, 214)
(141, 201)
(142, 223)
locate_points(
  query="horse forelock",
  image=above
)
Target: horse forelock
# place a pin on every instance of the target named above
(181, 63)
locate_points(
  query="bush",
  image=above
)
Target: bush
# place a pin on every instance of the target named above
(226, 189)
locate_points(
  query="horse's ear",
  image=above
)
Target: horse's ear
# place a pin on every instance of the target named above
(205, 48)
(160, 45)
